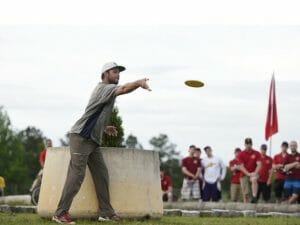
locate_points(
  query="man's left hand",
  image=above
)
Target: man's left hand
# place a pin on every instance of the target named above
(111, 131)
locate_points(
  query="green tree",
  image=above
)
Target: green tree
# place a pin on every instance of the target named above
(169, 159)
(33, 141)
(165, 148)
(132, 142)
(109, 141)
(13, 166)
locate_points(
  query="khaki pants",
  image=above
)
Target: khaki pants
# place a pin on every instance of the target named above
(190, 189)
(235, 192)
(85, 152)
(245, 186)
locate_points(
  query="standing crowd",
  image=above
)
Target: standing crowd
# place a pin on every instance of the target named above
(253, 173)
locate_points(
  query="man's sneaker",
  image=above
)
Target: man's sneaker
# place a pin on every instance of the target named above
(254, 200)
(114, 217)
(63, 219)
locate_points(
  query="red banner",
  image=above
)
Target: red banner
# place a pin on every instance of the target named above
(272, 120)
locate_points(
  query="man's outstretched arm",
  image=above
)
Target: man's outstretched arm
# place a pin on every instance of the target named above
(129, 87)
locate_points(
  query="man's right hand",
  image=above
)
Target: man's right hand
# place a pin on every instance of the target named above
(143, 84)
(195, 177)
(248, 174)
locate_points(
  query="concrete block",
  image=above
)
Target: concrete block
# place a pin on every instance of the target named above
(190, 213)
(294, 215)
(172, 212)
(23, 209)
(5, 209)
(233, 206)
(135, 187)
(220, 212)
(13, 199)
(249, 213)
(294, 208)
(206, 213)
(263, 215)
(279, 214)
(213, 205)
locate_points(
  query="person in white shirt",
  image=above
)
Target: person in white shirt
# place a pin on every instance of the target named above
(214, 173)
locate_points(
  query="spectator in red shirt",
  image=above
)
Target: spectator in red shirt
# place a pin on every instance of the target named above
(265, 175)
(249, 164)
(44, 151)
(278, 164)
(38, 179)
(235, 187)
(166, 186)
(197, 154)
(292, 168)
(191, 169)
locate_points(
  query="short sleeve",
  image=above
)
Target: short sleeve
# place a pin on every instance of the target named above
(258, 157)
(240, 158)
(109, 92)
(43, 156)
(287, 160)
(183, 163)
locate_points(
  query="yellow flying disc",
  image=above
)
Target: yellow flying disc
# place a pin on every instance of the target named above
(194, 83)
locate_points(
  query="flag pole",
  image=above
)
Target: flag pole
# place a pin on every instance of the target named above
(270, 146)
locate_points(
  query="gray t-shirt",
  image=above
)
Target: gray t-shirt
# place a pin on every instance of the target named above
(97, 113)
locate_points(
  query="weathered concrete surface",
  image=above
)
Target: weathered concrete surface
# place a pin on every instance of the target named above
(17, 209)
(259, 208)
(227, 213)
(20, 199)
(172, 212)
(192, 213)
(134, 184)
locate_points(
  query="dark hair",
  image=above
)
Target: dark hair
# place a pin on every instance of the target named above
(192, 146)
(237, 150)
(206, 148)
(248, 141)
(102, 76)
(285, 143)
(162, 168)
(198, 150)
(264, 147)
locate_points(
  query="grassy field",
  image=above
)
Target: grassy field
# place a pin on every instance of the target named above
(33, 219)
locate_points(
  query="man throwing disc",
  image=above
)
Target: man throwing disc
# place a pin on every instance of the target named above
(85, 141)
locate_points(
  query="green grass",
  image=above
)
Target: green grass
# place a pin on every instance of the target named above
(33, 219)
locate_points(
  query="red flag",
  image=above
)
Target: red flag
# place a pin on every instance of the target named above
(272, 120)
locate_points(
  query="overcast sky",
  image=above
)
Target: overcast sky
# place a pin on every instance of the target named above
(47, 74)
